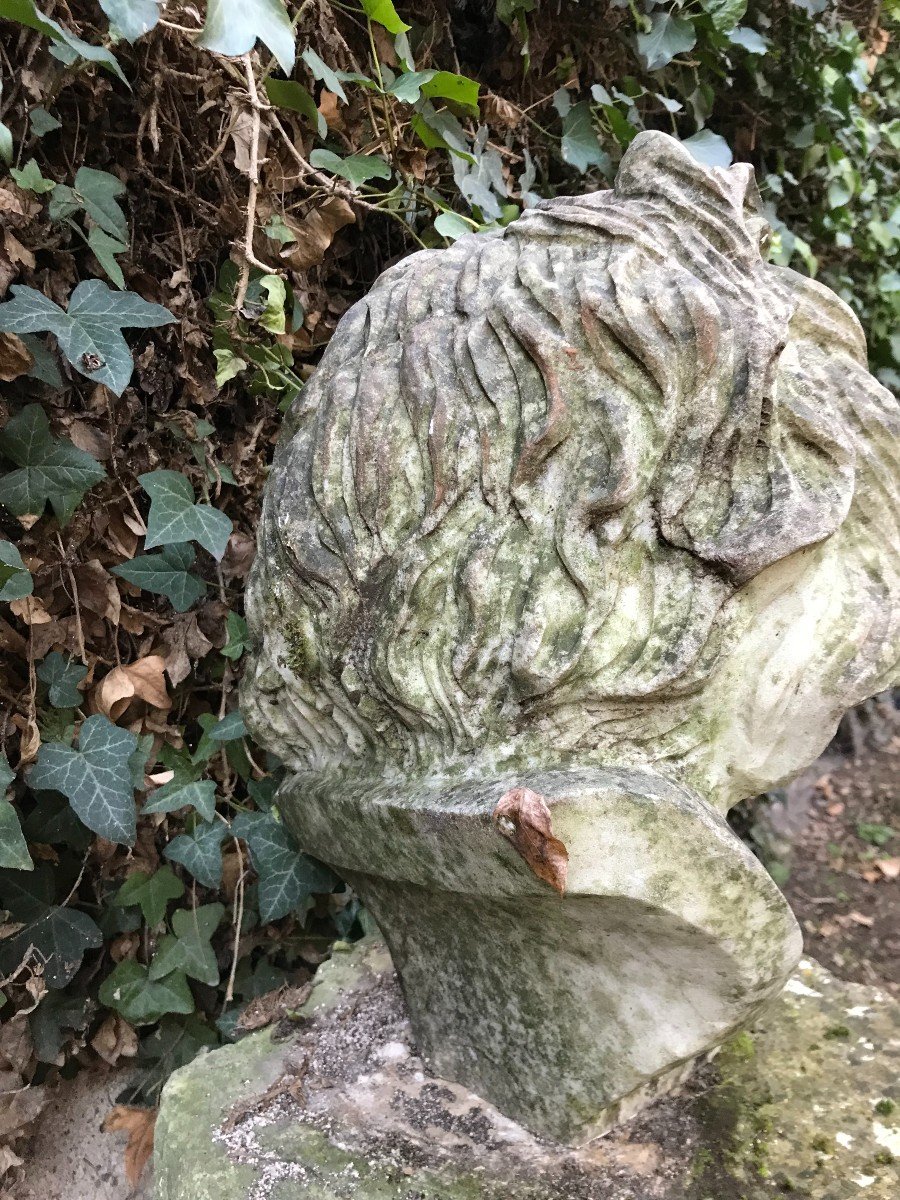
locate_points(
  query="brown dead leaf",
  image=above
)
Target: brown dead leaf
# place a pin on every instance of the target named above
(835, 809)
(183, 641)
(315, 232)
(859, 918)
(265, 1010)
(140, 680)
(139, 1124)
(17, 253)
(889, 867)
(330, 109)
(115, 1039)
(498, 111)
(15, 357)
(523, 816)
(31, 610)
(19, 1106)
(97, 590)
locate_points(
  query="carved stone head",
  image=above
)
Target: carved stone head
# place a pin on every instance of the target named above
(582, 532)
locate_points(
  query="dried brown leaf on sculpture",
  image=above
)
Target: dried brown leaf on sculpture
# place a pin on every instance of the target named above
(523, 817)
(139, 1124)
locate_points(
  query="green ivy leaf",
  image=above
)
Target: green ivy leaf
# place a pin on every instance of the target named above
(451, 225)
(174, 517)
(237, 643)
(62, 676)
(98, 193)
(55, 1018)
(105, 249)
(408, 86)
(668, 36)
(13, 847)
(42, 122)
(166, 574)
(286, 877)
(459, 89)
(188, 949)
(357, 168)
(580, 147)
(323, 72)
(287, 93)
(131, 19)
(27, 13)
(90, 332)
(229, 729)
(130, 991)
(15, 578)
(95, 778)
(384, 13)
(51, 468)
(199, 794)
(749, 39)
(30, 178)
(200, 852)
(151, 893)
(233, 26)
(724, 14)
(59, 938)
(709, 148)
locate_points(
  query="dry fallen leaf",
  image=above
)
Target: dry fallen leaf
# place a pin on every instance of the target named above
(141, 680)
(115, 1039)
(31, 610)
(315, 233)
(523, 817)
(859, 918)
(889, 867)
(97, 590)
(15, 357)
(139, 1124)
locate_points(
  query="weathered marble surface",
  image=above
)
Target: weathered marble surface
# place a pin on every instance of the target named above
(344, 1110)
(581, 533)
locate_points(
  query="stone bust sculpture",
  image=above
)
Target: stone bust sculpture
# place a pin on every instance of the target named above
(583, 531)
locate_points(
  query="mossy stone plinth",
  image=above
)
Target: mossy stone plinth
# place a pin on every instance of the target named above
(807, 1103)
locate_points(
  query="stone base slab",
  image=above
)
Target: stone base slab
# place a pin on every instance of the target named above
(334, 1104)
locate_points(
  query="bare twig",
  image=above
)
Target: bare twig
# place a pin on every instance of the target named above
(250, 259)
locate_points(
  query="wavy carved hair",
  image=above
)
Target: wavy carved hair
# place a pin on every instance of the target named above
(532, 470)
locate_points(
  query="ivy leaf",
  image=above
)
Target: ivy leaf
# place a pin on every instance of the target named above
(51, 468)
(384, 13)
(174, 517)
(286, 877)
(237, 643)
(95, 778)
(668, 35)
(233, 26)
(141, 1000)
(724, 14)
(580, 147)
(166, 574)
(357, 168)
(287, 93)
(59, 938)
(229, 729)
(408, 86)
(30, 178)
(131, 18)
(709, 148)
(451, 225)
(13, 847)
(62, 676)
(460, 89)
(200, 852)
(323, 72)
(200, 794)
(189, 949)
(15, 578)
(105, 249)
(90, 332)
(752, 42)
(42, 122)
(98, 191)
(151, 893)
(27, 13)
